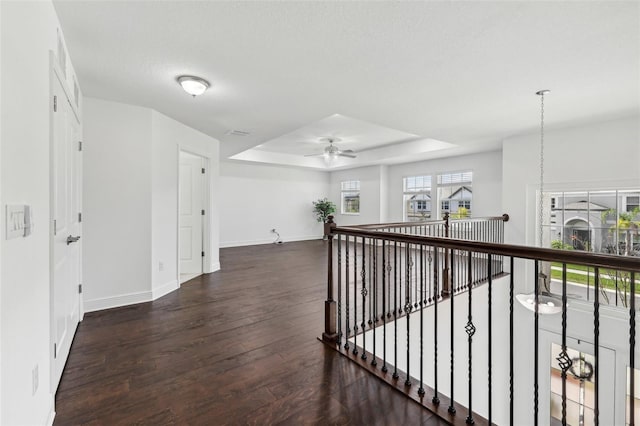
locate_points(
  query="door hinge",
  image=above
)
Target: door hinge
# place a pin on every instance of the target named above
(55, 225)
(79, 217)
(80, 288)
(202, 254)
(203, 170)
(55, 103)
(79, 145)
(202, 212)
(55, 350)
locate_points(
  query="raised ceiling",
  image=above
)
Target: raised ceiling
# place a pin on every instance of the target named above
(456, 77)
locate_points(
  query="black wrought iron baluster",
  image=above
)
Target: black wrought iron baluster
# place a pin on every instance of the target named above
(383, 316)
(408, 306)
(632, 350)
(436, 295)
(371, 299)
(374, 259)
(535, 342)
(355, 296)
(416, 289)
(489, 338)
(430, 287)
(564, 361)
(511, 285)
(596, 347)
(339, 290)
(422, 302)
(364, 291)
(346, 292)
(388, 272)
(471, 330)
(395, 310)
(452, 409)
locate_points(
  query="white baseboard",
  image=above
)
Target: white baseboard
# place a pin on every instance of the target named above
(52, 412)
(215, 266)
(164, 289)
(228, 244)
(117, 301)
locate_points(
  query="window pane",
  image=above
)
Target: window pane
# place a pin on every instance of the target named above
(456, 194)
(580, 387)
(417, 183)
(455, 178)
(350, 185)
(350, 202)
(417, 207)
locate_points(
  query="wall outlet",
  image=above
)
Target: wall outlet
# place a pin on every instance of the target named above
(160, 266)
(34, 380)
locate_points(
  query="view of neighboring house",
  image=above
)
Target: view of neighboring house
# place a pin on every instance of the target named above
(598, 221)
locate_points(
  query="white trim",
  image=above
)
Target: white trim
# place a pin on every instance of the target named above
(164, 289)
(52, 413)
(118, 301)
(228, 244)
(215, 267)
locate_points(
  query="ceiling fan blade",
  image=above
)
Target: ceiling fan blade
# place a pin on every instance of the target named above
(315, 155)
(346, 154)
(349, 151)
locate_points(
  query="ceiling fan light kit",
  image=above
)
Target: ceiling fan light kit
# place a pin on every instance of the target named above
(332, 152)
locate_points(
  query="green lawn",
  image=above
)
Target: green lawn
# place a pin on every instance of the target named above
(607, 278)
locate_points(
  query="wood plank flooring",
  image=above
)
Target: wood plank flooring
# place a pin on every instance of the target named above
(236, 347)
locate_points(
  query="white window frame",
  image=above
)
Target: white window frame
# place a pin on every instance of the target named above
(349, 187)
(425, 189)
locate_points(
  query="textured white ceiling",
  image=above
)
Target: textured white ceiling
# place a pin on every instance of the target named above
(460, 72)
(348, 133)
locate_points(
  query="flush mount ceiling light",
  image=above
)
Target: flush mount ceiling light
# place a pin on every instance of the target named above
(193, 85)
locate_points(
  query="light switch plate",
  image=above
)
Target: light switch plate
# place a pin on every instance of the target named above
(18, 221)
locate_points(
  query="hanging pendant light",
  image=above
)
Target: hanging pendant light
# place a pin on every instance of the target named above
(547, 303)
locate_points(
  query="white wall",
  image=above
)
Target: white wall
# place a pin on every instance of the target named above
(168, 137)
(596, 156)
(117, 204)
(486, 181)
(257, 198)
(28, 33)
(371, 183)
(131, 202)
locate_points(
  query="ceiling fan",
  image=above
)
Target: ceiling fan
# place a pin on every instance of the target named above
(330, 152)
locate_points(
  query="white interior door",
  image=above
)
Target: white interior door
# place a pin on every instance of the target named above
(191, 213)
(66, 170)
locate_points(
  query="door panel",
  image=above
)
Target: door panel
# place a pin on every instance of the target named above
(191, 196)
(65, 206)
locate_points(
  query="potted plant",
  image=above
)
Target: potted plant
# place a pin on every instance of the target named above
(323, 208)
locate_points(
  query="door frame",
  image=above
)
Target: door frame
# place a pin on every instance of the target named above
(56, 73)
(206, 202)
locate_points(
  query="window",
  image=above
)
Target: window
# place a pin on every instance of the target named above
(633, 203)
(455, 193)
(417, 198)
(580, 382)
(350, 195)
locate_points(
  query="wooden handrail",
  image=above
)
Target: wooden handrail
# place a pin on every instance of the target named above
(504, 218)
(525, 252)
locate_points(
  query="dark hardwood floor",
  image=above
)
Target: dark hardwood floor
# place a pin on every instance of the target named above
(238, 346)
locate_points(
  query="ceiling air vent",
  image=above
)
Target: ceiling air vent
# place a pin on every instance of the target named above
(237, 133)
